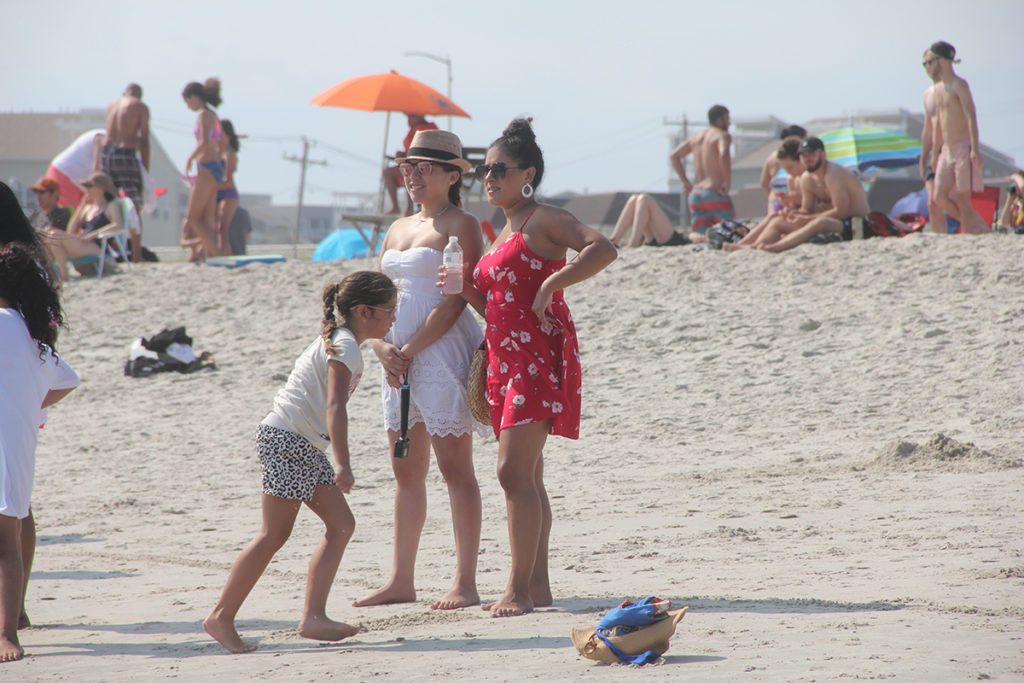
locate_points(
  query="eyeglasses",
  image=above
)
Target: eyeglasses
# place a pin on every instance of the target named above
(422, 167)
(387, 309)
(928, 62)
(497, 170)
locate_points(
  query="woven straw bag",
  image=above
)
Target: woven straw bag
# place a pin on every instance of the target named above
(476, 386)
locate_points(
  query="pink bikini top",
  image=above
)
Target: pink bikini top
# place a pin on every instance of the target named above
(214, 133)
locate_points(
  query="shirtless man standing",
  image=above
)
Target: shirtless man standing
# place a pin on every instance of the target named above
(824, 184)
(955, 149)
(127, 140)
(708, 198)
(936, 217)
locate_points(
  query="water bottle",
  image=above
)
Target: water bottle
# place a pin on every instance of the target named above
(452, 260)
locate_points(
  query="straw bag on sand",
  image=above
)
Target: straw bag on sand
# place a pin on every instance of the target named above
(476, 386)
(631, 641)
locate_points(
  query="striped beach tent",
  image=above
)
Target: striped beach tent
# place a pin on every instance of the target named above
(863, 148)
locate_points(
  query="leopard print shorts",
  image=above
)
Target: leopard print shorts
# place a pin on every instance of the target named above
(292, 466)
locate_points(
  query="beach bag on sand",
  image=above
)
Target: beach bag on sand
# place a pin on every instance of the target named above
(476, 386)
(170, 350)
(726, 231)
(878, 224)
(636, 633)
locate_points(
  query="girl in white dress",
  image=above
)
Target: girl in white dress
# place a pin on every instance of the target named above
(32, 378)
(432, 341)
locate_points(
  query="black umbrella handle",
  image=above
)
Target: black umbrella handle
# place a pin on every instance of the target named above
(402, 444)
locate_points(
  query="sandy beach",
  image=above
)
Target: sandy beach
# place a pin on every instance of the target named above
(818, 452)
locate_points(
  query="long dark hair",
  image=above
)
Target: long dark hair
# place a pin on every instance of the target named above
(519, 142)
(229, 130)
(365, 287)
(14, 224)
(28, 288)
(455, 189)
(208, 92)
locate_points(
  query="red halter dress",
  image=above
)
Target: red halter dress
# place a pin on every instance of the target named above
(531, 375)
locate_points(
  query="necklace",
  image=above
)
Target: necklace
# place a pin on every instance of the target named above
(422, 218)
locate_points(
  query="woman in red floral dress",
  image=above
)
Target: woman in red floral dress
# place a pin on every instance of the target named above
(533, 374)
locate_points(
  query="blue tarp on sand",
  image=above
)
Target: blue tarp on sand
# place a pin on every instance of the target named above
(340, 244)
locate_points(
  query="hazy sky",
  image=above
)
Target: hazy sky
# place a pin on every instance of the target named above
(598, 77)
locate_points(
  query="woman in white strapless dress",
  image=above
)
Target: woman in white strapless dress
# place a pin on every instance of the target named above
(433, 340)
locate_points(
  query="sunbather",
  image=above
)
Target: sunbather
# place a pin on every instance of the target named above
(792, 228)
(776, 185)
(648, 224)
(96, 212)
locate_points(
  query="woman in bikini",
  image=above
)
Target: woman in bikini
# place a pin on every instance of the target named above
(201, 220)
(227, 193)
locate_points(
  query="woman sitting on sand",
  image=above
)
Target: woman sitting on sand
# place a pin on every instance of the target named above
(309, 415)
(649, 224)
(773, 182)
(534, 373)
(432, 342)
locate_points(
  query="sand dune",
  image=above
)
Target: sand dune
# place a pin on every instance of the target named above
(819, 452)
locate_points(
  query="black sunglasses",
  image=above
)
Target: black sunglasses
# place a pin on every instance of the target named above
(497, 170)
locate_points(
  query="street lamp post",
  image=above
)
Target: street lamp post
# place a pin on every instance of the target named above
(444, 60)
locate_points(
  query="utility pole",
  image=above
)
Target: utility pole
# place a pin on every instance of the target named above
(304, 160)
(443, 59)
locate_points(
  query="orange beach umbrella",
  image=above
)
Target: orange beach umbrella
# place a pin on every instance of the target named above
(389, 92)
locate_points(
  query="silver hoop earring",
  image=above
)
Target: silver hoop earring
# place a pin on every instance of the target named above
(527, 191)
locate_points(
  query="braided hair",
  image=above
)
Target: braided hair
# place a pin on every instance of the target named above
(365, 287)
(27, 288)
(520, 143)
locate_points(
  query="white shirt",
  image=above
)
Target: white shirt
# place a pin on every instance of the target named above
(25, 379)
(301, 404)
(77, 158)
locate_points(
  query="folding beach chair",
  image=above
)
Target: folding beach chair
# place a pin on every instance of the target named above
(986, 203)
(129, 224)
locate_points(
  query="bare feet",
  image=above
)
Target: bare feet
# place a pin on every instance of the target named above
(457, 598)
(390, 594)
(512, 605)
(23, 620)
(10, 649)
(322, 628)
(734, 246)
(541, 595)
(223, 631)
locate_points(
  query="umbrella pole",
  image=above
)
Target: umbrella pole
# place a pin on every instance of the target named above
(383, 165)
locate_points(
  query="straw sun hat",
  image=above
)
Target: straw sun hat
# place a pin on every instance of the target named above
(654, 637)
(437, 145)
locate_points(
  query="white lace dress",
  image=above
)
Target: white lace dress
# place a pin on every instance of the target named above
(437, 378)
